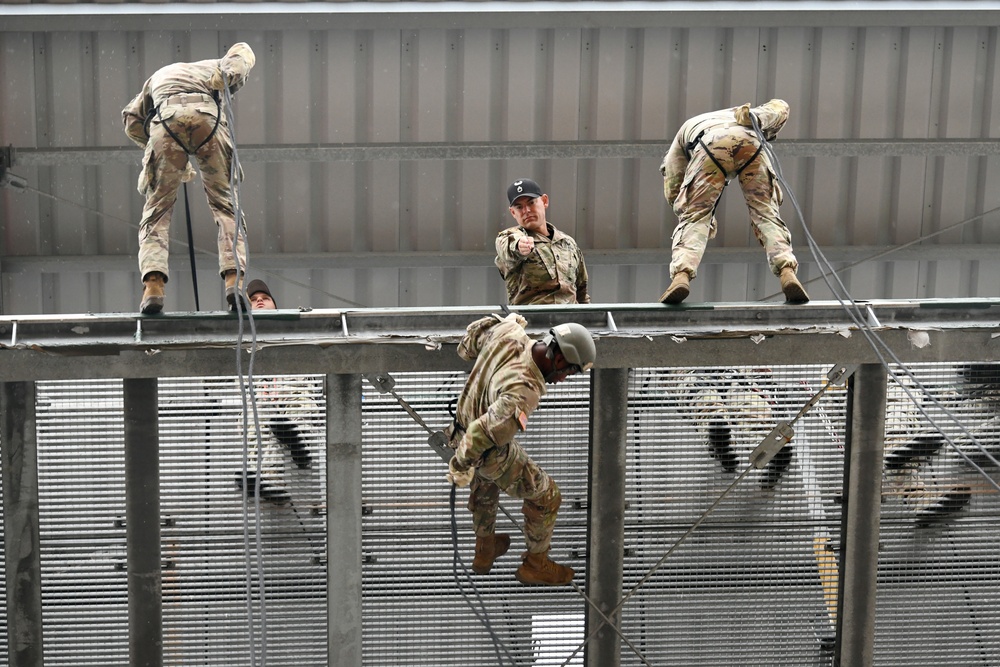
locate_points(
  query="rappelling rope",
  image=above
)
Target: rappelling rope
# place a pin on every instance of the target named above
(234, 170)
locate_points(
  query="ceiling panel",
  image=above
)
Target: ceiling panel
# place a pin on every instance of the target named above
(580, 98)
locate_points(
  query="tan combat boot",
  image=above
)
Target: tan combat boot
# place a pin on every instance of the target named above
(488, 549)
(232, 291)
(679, 288)
(538, 570)
(791, 287)
(152, 293)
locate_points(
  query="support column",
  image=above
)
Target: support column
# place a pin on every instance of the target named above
(861, 514)
(606, 510)
(343, 519)
(142, 523)
(18, 443)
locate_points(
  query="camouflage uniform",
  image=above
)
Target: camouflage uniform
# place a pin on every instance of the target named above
(693, 184)
(181, 95)
(503, 389)
(554, 272)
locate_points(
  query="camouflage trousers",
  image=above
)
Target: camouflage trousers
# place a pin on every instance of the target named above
(509, 467)
(700, 192)
(163, 164)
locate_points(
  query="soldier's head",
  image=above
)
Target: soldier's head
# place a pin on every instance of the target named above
(568, 349)
(527, 204)
(236, 65)
(260, 296)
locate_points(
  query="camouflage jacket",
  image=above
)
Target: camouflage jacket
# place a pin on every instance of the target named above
(554, 272)
(503, 388)
(771, 118)
(184, 78)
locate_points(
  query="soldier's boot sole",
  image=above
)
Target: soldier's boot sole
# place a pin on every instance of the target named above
(679, 289)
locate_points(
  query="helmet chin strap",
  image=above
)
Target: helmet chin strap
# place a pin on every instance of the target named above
(550, 354)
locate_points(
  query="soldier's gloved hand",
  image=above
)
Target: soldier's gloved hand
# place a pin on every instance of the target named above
(188, 174)
(459, 474)
(217, 82)
(743, 115)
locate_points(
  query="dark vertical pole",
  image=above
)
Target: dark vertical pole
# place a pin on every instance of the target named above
(18, 443)
(142, 521)
(343, 519)
(861, 514)
(606, 510)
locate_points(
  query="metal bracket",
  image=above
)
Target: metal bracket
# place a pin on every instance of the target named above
(439, 443)
(384, 383)
(838, 374)
(780, 436)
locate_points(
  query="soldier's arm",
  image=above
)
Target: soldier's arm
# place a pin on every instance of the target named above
(134, 116)
(674, 165)
(582, 279)
(508, 258)
(504, 418)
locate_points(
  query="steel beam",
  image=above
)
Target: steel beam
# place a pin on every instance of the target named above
(142, 523)
(606, 511)
(860, 523)
(67, 156)
(417, 339)
(343, 524)
(495, 14)
(22, 561)
(446, 259)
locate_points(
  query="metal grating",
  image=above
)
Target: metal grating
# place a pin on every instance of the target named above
(756, 582)
(4, 631)
(413, 596)
(204, 547)
(938, 599)
(82, 505)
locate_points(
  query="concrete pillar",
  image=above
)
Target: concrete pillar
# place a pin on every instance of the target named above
(142, 523)
(861, 514)
(343, 519)
(18, 443)
(606, 511)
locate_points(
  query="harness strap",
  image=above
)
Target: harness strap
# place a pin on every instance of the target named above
(218, 119)
(697, 141)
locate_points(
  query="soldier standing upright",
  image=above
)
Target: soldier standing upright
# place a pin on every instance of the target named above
(539, 263)
(176, 116)
(503, 389)
(708, 151)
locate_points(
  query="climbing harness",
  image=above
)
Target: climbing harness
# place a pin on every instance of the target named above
(698, 141)
(184, 100)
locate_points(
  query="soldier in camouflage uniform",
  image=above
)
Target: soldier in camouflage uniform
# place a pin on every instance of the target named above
(539, 263)
(503, 389)
(176, 116)
(707, 152)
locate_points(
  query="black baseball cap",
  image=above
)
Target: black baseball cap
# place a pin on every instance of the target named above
(522, 187)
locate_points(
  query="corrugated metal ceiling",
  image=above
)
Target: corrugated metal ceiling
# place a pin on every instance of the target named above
(378, 138)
